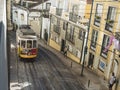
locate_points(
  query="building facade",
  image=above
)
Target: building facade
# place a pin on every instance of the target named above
(67, 27)
(19, 15)
(103, 57)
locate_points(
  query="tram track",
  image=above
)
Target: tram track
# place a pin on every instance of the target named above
(58, 63)
(47, 72)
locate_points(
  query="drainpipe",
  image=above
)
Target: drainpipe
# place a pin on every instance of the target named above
(86, 34)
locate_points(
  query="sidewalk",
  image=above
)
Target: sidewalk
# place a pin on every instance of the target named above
(89, 79)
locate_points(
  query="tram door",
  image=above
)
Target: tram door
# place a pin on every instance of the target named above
(62, 45)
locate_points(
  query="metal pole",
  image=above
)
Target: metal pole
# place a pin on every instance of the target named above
(50, 16)
(86, 34)
(83, 55)
(41, 19)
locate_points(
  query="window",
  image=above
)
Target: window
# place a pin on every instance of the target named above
(104, 45)
(110, 18)
(81, 34)
(58, 21)
(22, 44)
(72, 33)
(22, 17)
(16, 14)
(98, 14)
(34, 44)
(29, 44)
(75, 9)
(60, 4)
(94, 39)
(66, 6)
(48, 6)
(65, 25)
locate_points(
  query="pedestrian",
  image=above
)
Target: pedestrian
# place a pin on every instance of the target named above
(46, 36)
(65, 51)
(112, 81)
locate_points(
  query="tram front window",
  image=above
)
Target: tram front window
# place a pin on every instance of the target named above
(22, 44)
(29, 44)
(34, 44)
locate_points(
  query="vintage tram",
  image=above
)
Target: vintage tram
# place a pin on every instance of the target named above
(27, 43)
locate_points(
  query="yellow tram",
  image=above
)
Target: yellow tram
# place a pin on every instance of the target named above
(27, 44)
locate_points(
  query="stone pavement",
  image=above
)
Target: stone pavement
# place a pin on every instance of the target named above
(89, 79)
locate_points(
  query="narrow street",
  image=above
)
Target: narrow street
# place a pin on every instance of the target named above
(46, 72)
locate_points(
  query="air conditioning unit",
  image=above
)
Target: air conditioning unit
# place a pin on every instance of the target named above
(52, 10)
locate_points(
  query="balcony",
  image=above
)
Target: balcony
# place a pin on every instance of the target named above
(59, 11)
(70, 38)
(97, 21)
(56, 29)
(103, 54)
(109, 25)
(73, 17)
(93, 45)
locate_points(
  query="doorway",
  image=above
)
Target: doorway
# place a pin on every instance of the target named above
(62, 45)
(115, 67)
(91, 60)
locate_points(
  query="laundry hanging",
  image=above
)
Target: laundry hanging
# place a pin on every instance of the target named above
(109, 44)
(116, 44)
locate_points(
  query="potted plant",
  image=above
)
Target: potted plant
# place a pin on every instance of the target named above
(109, 21)
(97, 17)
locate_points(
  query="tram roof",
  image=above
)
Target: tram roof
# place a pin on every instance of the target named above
(27, 32)
(28, 37)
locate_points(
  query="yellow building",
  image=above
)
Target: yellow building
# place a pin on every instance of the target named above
(67, 28)
(88, 9)
(105, 22)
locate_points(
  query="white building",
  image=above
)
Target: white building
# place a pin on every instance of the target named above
(19, 15)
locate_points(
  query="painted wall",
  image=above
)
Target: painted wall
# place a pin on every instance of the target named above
(74, 58)
(54, 45)
(45, 25)
(109, 61)
(17, 19)
(87, 11)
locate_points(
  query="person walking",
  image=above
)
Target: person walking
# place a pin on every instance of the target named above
(46, 36)
(65, 51)
(112, 81)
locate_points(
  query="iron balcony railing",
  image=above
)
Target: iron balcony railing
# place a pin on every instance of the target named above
(109, 25)
(56, 29)
(97, 20)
